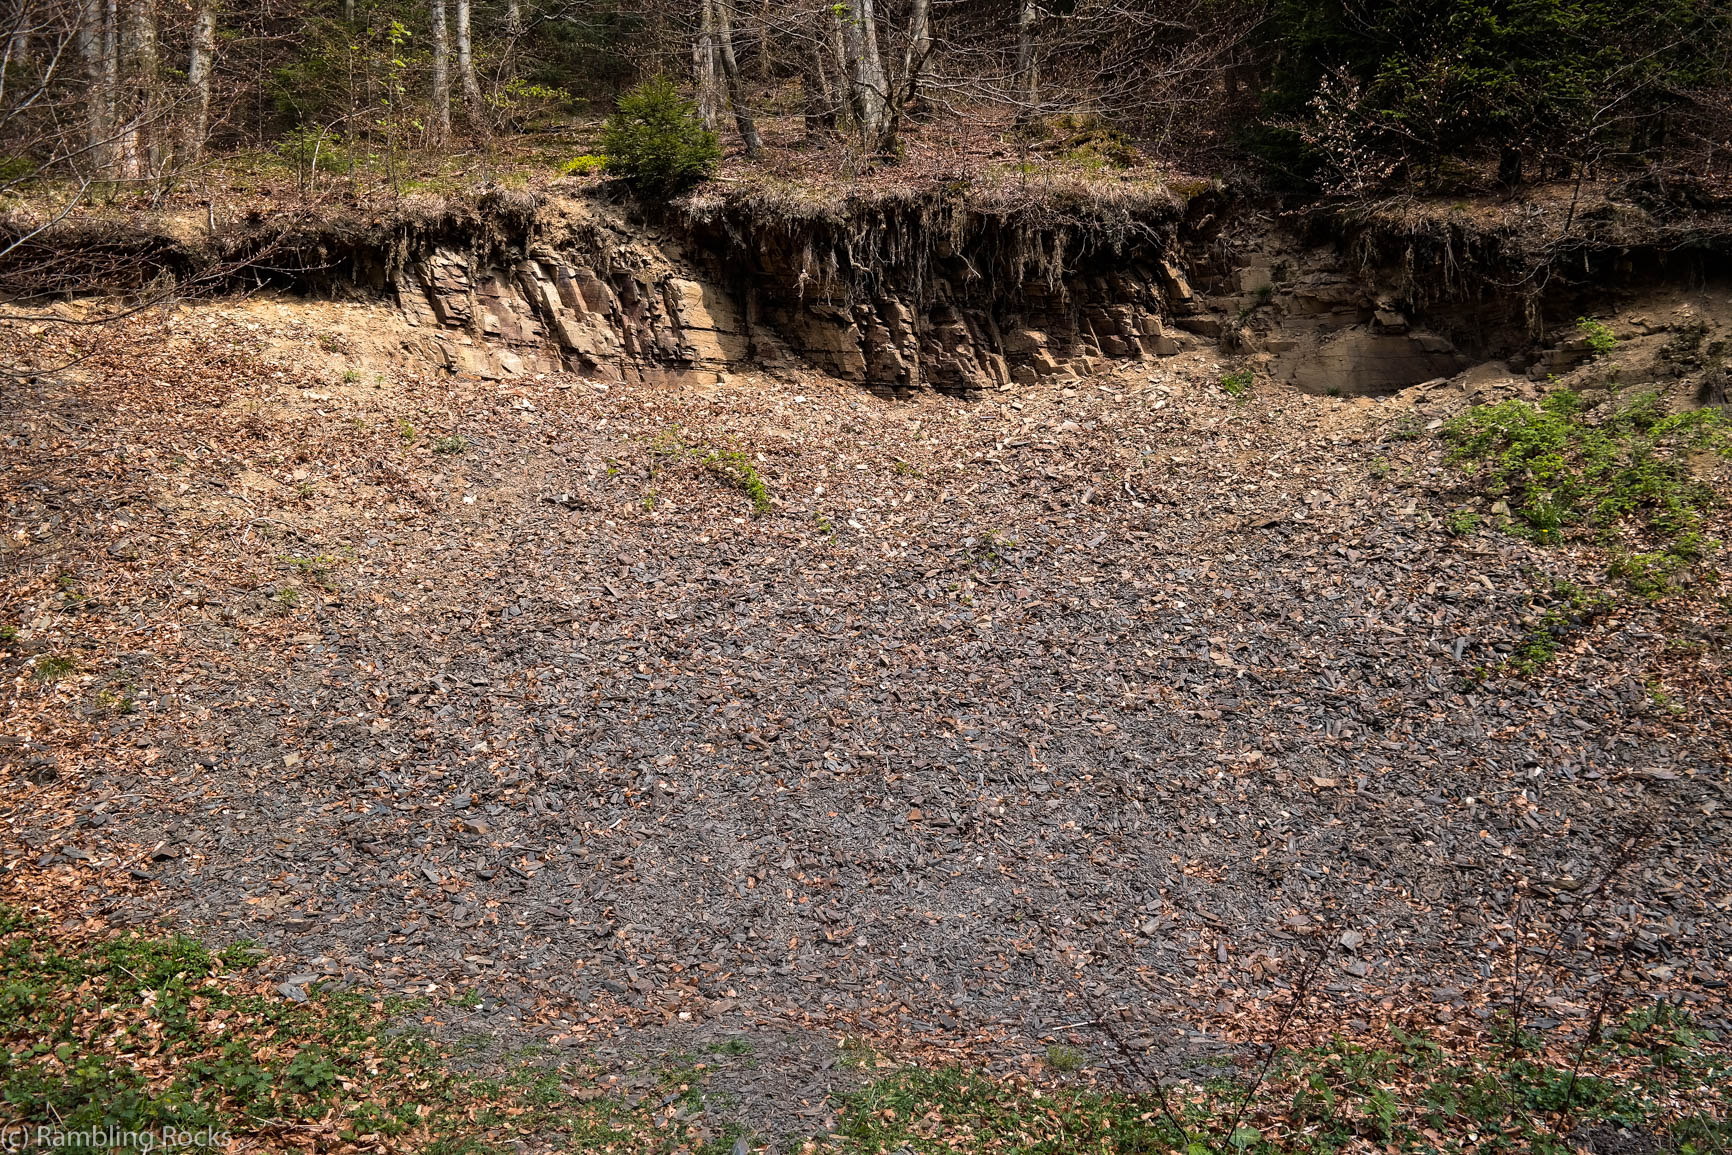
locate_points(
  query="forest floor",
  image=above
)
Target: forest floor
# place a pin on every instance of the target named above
(1035, 734)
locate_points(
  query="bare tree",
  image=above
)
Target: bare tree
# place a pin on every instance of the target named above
(201, 62)
(880, 88)
(441, 130)
(94, 39)
(918, 52)
(466, 69)
(819, 96)
(98, 42)
(736, 89)
(869, 89)
(136, 148)
(514, 31)
(704, 54)
(1027, 68)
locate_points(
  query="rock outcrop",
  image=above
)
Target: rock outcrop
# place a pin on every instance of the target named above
(942, 293)
(895, 296)
(583, 297)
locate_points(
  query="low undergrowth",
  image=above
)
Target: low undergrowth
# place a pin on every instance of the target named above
(165, 1039)
(146, 1034)
(1656, 1077)
(1559, 612)
(1628, 475)
(155, 1035)
(729, 466)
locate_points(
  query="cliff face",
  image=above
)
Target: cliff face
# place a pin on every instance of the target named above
(940, 292)
(948, 290)
(895, 296)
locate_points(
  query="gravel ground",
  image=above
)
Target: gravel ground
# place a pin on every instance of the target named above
(1121, 696)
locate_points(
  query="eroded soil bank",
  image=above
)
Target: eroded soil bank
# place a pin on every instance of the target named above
(958, 290)
(658, 708)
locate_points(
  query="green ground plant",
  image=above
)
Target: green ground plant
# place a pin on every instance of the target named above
(1413, 1095)
(1622, 474)
(1238, 383)
(143, 1033)
(1599, 336)
(737, 470)
(732, 467)
(1461, 522)
(53, 667)
(586, 165)
(1065, 1059)
(1560, 612)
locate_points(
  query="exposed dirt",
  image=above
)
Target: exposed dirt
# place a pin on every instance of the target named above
(1122, 695)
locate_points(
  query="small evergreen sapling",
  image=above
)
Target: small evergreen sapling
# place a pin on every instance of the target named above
(656, 142)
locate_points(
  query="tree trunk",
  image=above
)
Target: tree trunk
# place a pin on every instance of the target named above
(94, 38)
(137, 47)
(1027, 79)
(765, 72)
(201, 61)
(918, 53)
(513, 34)
(1509, 165)
(704, 68)
(876, 79)
(150, 75)
(866, 74)
(441, 130)
(348, 11)
(736, 88)
(466, 68)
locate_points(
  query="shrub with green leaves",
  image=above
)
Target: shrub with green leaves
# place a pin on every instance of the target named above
(309, 148)
(1624, 475)
(1599, 336)
(656, 142)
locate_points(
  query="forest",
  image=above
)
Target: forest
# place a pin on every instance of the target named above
(1331, 97)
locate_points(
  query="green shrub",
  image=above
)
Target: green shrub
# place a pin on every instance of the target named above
(1599, 336)
(522, 105)
(1444, 92)
(656, 141)
(1237, 384)
(15, 168)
